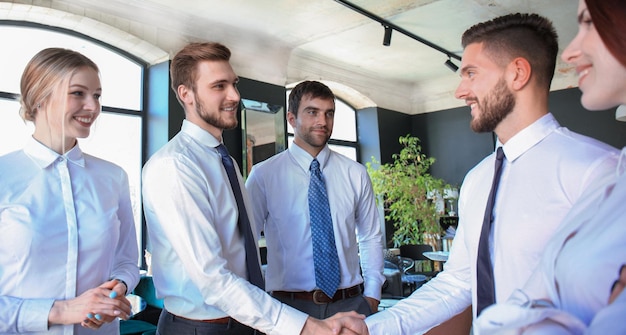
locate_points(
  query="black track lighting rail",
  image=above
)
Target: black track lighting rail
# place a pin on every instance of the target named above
(388, 25)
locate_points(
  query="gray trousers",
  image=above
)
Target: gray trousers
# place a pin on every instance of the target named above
(323, 311)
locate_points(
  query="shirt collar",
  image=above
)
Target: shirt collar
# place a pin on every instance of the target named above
(304, 159)
(202, 136)
(529, 137)
(44, 156)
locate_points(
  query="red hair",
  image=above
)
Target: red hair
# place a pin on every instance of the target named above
(608, 18)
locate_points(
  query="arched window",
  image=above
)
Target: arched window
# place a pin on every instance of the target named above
(344, 137)
(117, 134)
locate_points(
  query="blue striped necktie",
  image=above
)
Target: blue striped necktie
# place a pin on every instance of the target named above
(325, 259)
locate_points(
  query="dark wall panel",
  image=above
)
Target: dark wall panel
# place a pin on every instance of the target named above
(447, 137)
(566, 107)
(368, 134)
(391, 125)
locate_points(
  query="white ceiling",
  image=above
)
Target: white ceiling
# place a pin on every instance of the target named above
(286, 41)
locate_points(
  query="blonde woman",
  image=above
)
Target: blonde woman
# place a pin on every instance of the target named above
(68, 251)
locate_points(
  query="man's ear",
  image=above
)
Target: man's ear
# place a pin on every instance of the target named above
(519, 72)
(186, 95)
(291, 118)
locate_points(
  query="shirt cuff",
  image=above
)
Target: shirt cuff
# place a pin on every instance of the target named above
(373, 287)
(290, 321)
(33, 315)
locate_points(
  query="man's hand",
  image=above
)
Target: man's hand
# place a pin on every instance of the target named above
(93, 308)
(373, 304)
(341, 323)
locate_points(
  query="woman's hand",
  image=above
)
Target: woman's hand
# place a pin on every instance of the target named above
(94, 307)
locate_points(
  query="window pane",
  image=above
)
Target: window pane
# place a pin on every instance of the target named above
(345, 122)
(13, 130)
(121, 78)
(117, 138)
(349, 152)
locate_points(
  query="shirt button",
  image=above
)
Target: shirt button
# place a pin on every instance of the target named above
(60, 159)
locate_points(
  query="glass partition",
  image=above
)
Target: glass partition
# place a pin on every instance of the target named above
(263, 132)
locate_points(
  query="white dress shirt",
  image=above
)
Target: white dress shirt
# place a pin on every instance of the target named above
(198, 255)
(66, 226)
(546, 170)
(278, 188)
(583, 260)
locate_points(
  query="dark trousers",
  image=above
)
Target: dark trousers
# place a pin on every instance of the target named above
(323, 311)
(170, 324)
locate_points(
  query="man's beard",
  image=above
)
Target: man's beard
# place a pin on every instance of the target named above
(215, 119)
(494, 108)
(313, 140)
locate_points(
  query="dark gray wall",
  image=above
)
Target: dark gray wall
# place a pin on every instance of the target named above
(446, 136)
(391, 126)
(566, 107)
(368, 134)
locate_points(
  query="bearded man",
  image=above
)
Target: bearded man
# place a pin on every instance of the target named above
(507, 67)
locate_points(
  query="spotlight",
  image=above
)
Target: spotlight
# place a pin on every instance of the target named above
(387, 38)
(451, 65)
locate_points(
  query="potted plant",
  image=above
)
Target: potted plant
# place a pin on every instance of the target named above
(409, 194)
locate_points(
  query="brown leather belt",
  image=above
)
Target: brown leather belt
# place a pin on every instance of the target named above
(319, 297)
(224, 320)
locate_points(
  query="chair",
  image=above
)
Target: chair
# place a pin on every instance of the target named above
(392, 287)
(144, 322)
(416, 252)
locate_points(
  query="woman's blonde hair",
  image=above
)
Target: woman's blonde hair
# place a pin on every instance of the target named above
(46, 73)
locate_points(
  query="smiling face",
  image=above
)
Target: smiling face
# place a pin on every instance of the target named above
(213, 103)
(484, 89)
(601, 78)
(313, 124)
(70, 112)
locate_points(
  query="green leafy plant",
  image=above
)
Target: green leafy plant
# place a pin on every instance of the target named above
(407, 190)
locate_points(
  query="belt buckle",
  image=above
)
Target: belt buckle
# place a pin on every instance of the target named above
(320, 298)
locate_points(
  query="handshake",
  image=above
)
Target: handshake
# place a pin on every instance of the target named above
(345, 323)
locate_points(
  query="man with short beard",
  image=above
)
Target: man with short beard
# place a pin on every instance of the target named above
(279, 188)
(205, 259)
(507, 67)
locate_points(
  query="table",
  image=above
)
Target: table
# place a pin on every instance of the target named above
(437, 256)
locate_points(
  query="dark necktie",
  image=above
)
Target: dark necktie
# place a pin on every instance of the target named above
(325, 259)
(252, 261)
(484, 270)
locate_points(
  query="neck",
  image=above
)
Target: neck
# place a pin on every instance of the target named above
(311, 150)
(59, 145)
(529, 108)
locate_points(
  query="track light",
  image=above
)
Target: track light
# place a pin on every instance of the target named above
(451, 65)
(387, 38)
